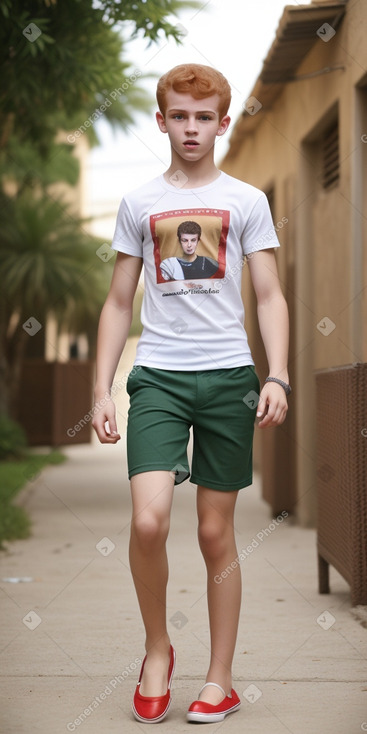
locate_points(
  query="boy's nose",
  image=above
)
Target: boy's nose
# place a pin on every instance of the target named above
(191, 126)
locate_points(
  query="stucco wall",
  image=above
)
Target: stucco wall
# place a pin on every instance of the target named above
(323, 262)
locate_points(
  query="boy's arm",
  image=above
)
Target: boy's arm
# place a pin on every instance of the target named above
(274, 327)
(114, 325)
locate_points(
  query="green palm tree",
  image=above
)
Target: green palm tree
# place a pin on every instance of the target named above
(49, 266)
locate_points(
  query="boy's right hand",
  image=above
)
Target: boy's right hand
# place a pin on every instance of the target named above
(104, 422)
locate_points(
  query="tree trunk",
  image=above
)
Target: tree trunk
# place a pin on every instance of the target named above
(10, 372)
(4, 368)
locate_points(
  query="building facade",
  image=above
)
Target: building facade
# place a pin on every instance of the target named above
(302, 139)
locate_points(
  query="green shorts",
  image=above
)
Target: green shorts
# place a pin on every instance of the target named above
(219, 404)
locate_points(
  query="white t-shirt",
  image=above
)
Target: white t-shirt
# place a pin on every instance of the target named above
(192, 312)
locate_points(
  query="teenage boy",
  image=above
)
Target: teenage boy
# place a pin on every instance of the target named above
(197, 375)
(189, 265)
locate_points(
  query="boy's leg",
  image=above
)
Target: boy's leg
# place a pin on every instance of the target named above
(217, 544)
(152, 494)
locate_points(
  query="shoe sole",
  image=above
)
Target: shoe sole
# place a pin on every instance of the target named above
(151, 721)
(196, 716)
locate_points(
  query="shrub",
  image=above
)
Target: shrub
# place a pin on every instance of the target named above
(13, 442)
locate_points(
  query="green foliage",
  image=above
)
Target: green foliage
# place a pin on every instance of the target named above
(14, 521)
(49, 261)
(63, 56)
(15, 474)
(60, 61)
(23, 163)
(13, 440)
(63, 83)
(49, 266)
(150, 17)
(39, 244)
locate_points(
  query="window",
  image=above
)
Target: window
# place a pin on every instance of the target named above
(330, 157)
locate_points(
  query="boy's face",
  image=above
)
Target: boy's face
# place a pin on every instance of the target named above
(192, 124)
(189, 243)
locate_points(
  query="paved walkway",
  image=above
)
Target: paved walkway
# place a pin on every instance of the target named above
(72, 640)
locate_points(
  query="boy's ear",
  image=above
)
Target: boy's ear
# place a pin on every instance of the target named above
(224, 125)
(161, 122)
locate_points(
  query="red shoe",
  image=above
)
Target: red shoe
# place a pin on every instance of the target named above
(206, 713)
(151, 709)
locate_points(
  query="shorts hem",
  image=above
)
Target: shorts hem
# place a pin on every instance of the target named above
(224, 486)
(181, 477)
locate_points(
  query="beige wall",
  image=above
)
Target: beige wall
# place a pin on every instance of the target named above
(322, 263)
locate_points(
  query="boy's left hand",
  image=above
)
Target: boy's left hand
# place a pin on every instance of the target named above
(272, 407)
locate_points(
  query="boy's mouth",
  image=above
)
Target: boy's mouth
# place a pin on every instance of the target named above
(190, 143)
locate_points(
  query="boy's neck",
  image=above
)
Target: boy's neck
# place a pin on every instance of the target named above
(188, 258)
(198, 173)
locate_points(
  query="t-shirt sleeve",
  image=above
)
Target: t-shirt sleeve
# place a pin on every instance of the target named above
(259, 232)
(127, 237)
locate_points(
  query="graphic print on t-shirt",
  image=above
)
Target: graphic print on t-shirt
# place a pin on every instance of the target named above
(190, 243)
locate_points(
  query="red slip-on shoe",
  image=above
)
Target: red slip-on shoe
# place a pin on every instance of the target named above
(206, 713)
(151, 709)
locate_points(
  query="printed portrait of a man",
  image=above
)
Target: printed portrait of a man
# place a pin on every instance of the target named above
(191, 247)
(189, 264)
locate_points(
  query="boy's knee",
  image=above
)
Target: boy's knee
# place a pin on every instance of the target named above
(149, 529)
(213, 538)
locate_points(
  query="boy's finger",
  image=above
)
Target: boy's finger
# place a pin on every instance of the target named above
(106, 430)
(105, 436)
(260, 407)
(111, 426)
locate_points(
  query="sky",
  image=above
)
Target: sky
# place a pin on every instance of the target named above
(233, 36)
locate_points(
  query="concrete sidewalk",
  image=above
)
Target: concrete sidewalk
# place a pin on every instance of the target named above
(72, 639)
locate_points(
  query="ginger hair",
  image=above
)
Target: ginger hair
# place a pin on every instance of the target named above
(198, 80)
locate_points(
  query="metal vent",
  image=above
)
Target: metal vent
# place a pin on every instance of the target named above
(330, 157)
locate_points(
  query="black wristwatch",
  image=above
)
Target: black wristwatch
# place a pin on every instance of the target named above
(287, 388)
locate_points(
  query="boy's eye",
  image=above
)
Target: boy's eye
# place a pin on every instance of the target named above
(179, 116)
